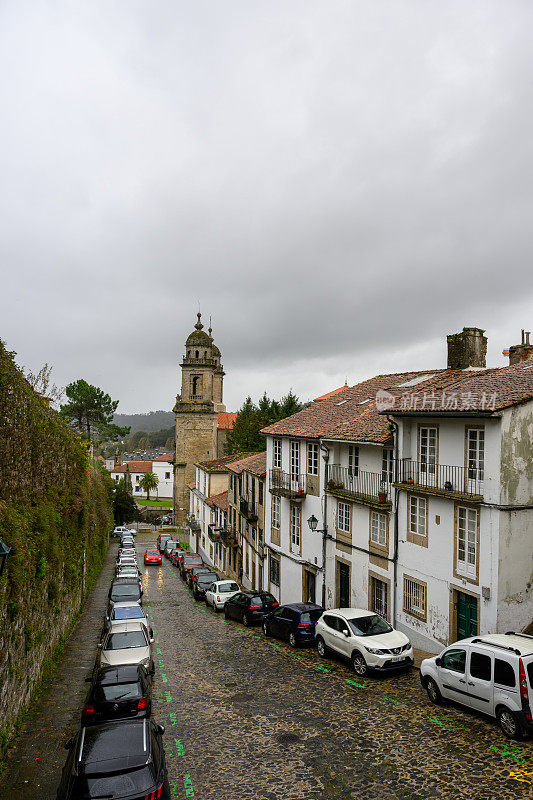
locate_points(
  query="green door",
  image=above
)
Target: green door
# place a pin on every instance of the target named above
(344, 585)
(466, 615)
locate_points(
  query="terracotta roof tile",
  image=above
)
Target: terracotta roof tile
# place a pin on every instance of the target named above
(134, 466)
(226, 419)
(220, 500)
(165, 457)
(219, 464)
(331, 394)
(251, 461)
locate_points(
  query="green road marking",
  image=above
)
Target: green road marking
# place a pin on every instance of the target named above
(322, 669)
(396, 702)
(519, 755)
(168, 697)
(354, 683)
(179, 747)
(172, 716)
(187, 784)
(156, 641)
(445, 724)
(164, 678)
(274, 645)
(158, 651)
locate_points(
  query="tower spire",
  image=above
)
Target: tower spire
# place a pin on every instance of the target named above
(199, 325)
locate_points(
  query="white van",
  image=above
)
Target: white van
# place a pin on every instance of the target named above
(491, 673)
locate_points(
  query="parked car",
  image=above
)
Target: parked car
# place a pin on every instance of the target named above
(219, 592)
(152, 556)
(162, 539)
(126, 561)
(196, 570)
(189, 561)
(295, 622)
(127, 541)
(118, 530)
(250, 607)
(126, 551)
(118, 693)
(492, 673)
(169, 545)
(122, 759)
(128, 572)
(125, 589)
(124, 612)
(175, 555)
(127, 643)
(201, 582)
(363, 637)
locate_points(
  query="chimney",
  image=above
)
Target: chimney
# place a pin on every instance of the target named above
(520, 352)
(467, 349)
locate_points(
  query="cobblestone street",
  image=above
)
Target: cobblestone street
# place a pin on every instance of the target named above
(248, 718)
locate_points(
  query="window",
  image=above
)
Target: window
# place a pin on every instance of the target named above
(475, 453)
(455, 660)
(295, 460)
(312, 458)
(274, 571)
(418, 516)
(276, 454)
(260, 493)
(387, 466)
(276, 511)
(296, 519)
(353, 461)
(414, 597)
(466, 550)
(167, 476)
(427, 454)
(260, 536)
(343, 517)
(378, 597)
(480, 666)
(378, 529)
(504, 674)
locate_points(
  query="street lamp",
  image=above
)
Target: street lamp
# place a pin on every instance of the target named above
(4, 552)
(313, 522)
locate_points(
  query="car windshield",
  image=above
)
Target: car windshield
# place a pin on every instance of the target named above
(267, 598)
(369, 626)
(125, 590)
(311, 616)
(228, 587)
(125, 640)
(207, 578)
(134, 782)
(118, 691)
(132, 612)
(191, 562)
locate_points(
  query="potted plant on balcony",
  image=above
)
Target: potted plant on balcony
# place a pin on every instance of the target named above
(382, 494)
(330, 484)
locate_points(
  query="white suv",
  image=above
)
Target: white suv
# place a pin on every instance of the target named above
(363, 637)
(491, 673)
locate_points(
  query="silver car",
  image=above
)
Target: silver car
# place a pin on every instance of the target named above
(127, 612)
(126, 643)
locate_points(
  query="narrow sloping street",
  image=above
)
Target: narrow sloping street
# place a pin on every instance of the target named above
(249, 718)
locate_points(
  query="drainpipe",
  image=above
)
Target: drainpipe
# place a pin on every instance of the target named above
(394, 429)
(325, 456)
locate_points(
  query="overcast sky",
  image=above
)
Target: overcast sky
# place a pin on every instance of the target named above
(340, 184)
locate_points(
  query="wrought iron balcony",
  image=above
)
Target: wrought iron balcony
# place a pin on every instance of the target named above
(248, 509)
(441, 479)
(228, 535)
(288, 484)
(214, 533)
(193, 524)
(368, 487)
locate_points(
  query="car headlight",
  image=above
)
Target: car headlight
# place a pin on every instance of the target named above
(146, 662)
(407, 645)
(374, 651)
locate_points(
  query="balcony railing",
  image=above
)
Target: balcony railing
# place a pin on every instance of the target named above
(228, 535)
(288, 484)
(194, 525)
(248, 509)
(441, 479)
(214, 533)
(372, 487)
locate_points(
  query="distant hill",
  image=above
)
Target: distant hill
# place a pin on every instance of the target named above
(150, 422)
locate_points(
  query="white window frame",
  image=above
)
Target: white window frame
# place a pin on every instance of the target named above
(418, 507)
(344, 514)
(276, 453)
(276, 512)
(466, 548)
(312, 458)
(387, 465)
(295, 460)
(428, 451)
(353, 460)
(475, 454)
(295, 528)
(378, 528)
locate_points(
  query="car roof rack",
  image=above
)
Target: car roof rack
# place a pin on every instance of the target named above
(523, 635)
(495, 644)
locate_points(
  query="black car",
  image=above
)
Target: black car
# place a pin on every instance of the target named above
(125, 759)
(123, 589)
(198, 569)
(250, 607)
(201, 582)
(123, 692)
(295, 622)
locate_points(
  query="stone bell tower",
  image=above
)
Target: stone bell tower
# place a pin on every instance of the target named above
(196, 411)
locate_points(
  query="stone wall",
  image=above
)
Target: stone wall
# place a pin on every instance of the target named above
(55, 513)
(196, 440)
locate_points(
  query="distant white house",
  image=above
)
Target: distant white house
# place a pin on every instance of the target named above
(135, 469)
(163, 467)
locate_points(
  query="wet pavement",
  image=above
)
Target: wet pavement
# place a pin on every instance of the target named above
(248, 718)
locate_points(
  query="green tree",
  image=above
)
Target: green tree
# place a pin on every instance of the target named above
(148, 482)
(246, 437)
(124, 507)
(90, 411)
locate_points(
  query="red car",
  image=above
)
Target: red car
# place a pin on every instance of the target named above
(152, 556)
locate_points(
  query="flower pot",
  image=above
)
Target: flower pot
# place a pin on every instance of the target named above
(382, 496)
(331, 484)
(409, 480)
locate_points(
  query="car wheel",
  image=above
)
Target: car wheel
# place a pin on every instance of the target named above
(292, 640)
(226, 612)
(215, 607)
(245, 620)
(508, 722)
(359, 664)
(321, 647)
(433, 691)
(265, 628)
